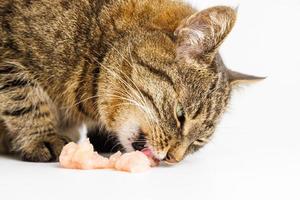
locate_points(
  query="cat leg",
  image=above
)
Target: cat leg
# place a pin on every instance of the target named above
(4, 149)
(71, 132)
(30, 117)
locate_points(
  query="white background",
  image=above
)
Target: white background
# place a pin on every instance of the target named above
(255, 153)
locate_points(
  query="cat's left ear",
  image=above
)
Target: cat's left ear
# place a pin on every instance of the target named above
(236, 78)
(200, 35)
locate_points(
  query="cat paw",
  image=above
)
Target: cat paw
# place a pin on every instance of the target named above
(45, 150)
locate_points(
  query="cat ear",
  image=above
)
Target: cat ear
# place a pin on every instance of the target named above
(236, 78)
(200, 35)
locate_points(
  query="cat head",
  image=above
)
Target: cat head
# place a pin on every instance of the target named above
(173, 90)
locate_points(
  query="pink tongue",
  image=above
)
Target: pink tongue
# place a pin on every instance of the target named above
(149, 154)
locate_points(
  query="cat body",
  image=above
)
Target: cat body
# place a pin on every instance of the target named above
(145, 71)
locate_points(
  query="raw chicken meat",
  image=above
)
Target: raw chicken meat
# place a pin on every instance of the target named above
(133, 162)
(82, 156)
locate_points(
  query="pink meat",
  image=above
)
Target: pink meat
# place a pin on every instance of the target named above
(113, 159)
(133, 162)
(66, 155)
(82, 156)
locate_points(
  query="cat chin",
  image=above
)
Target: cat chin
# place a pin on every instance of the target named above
(127, 132)
(157, 155)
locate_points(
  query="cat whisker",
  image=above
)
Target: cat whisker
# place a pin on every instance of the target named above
(139, 95)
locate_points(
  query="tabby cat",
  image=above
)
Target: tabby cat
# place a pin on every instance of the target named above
(147, 73)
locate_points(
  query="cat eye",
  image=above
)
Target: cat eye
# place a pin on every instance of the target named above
(180, 114)
(200, 142)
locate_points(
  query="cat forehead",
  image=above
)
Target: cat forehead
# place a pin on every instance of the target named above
(200, 75)
(195, 77)
(196, 86)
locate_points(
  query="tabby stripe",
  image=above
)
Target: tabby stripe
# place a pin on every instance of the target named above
(19, 97)
(18, 112)
(211, 90)
(211, 113)
(150, 98)
(82, 109)
(207, 114)
(197, 112)
(221, 103)
(10, 43)
(15, 83)
(7, 70)
(80, 106)
(96, 73)
(49, 131)
(42, 115)
(159, 73)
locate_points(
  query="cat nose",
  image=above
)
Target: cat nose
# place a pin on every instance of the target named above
(170, 159)
(138, 146)
(140, 143)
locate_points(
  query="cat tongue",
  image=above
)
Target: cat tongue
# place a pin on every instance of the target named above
(154, 161)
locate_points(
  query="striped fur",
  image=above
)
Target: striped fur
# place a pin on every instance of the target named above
(114, 64)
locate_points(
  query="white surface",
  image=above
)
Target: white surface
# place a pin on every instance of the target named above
(255, 152)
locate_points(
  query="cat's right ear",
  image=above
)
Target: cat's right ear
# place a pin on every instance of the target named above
(200, 35)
